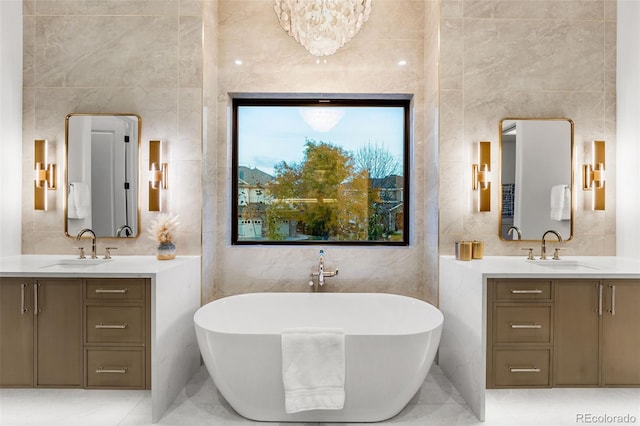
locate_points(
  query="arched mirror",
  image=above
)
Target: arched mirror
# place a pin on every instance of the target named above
(102, 174)
(536, 177)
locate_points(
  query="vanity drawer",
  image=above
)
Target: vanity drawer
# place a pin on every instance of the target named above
(522, 368)
(115, 324)
(115, 368)
(116, 289)
(525, 290)
(522, 324)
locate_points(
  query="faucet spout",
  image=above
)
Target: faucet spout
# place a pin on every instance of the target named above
(543, 248)
(513, 228)
(93, 240)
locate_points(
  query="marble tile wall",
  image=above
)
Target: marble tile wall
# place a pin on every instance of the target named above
(134, 56)
(272, 61)
(524, 58)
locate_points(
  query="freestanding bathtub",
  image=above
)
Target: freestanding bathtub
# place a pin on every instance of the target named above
(390, 344)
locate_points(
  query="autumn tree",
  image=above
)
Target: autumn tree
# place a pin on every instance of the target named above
(312, 192)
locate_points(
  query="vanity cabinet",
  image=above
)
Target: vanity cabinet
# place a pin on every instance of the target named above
(597, 333)
(563, 332)
(41, 332)
(117, 337)
(73, 332)
(520, 333)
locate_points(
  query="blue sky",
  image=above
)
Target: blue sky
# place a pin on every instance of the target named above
(268, 135)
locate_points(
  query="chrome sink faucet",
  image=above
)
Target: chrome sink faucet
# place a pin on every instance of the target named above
(543, 248)
(93, 240)
(321, 274)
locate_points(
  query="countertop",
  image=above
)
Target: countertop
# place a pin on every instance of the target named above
(566, 267)
(118, 266)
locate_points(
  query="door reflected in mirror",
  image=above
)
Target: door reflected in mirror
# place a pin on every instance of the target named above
(102, 174)
(536, 176)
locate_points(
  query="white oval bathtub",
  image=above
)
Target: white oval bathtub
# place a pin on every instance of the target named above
(390, 344)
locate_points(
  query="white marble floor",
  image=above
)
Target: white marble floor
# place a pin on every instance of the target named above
(437, 403)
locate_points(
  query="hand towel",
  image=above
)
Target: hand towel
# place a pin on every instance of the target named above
(313, 369)
(79, 201)
(560, 202)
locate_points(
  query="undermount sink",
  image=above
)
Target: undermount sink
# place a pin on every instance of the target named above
(561, 264)
(76, 263)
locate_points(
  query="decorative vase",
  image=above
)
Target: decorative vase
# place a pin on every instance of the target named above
(166, 251)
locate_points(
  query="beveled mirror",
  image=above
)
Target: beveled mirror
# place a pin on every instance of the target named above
(102, 174)
(536, 178)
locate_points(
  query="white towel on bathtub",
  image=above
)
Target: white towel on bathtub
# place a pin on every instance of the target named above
(313, 369)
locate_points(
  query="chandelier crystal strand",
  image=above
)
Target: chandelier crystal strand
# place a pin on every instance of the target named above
(322, 26)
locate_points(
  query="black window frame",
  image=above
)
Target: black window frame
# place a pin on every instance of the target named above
(403, 101)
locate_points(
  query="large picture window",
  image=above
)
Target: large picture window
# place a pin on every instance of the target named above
(320, 171)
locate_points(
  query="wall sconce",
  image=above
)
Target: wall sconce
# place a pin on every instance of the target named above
(593, 175)
(45, 174)
(159, 175)
(480, 176)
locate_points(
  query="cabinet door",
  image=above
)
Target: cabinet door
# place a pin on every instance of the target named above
(621, 333)
(576, 333)
(59, 332)
(16, 332)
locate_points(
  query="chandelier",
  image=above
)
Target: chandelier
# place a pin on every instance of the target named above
(322, 26)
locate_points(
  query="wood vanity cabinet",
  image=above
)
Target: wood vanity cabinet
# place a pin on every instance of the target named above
(41, 332)
(597, 333)
(519, 333)
(563, 332)
(64, 332)
(117, 341)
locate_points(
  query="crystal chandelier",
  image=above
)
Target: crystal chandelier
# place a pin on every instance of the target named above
(322, 26)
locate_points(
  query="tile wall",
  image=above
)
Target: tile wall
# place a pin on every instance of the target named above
(524, 58)
(272, 61)
(133, 56)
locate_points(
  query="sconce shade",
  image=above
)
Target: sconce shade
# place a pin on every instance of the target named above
(159, 175)
(45, 174)
(480, 176)
(593, 175)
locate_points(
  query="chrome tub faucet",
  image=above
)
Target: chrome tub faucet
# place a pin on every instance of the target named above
(321, 274)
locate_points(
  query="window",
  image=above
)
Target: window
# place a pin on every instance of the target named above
(320, 171)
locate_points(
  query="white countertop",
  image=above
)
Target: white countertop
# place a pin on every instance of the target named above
(566, 267)
(118, 266)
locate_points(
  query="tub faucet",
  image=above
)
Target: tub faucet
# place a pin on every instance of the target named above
(321, 274)
(93, 240)
(543, 248)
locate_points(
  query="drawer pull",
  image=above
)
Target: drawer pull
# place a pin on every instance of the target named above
(102, 370)
(534, 291)
(119, 291)
(111, 326)
(524, 370)
(525, 325)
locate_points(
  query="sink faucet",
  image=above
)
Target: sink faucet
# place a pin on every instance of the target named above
(93, 240)
(513, 228)
(543, 249)
(321, 274)
(126, 229)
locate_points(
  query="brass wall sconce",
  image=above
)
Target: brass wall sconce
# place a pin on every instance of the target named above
(159, 175)
(593, 175)
(480, 176)
(45, 174)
